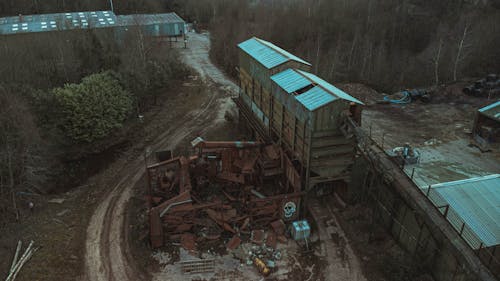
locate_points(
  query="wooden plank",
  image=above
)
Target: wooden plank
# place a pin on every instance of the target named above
(330, 141)
(328, 133)
(334, 150)
(333, 162)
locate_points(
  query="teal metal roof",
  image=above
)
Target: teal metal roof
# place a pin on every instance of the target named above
(290, 80)
(54, 22)
(329, 87)
(268, 54)
(80, 20)
(476, 202)
(320, 94)
(315, 98)
(146, 19)
(492, 110)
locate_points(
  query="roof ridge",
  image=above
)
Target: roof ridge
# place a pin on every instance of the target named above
(328, 90)
(262, 41)
(316, 84)
(469, 180)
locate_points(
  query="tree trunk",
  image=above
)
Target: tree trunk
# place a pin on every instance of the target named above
(318, 49)
(459, 56)
(11, 180)
(351, 53)
(436, 62)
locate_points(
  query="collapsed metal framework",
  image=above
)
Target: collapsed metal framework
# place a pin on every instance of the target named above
(224, 188)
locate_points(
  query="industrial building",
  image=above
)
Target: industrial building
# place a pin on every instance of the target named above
(471, 206)
(486, 129)
(316, 126)
(282, 102)
(157, 25)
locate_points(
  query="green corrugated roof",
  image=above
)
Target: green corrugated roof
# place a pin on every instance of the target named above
(320, 93)
(492, 110)
(268, 54)
(79, 20)
(476, 202)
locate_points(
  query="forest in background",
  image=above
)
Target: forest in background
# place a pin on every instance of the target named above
(389, 45)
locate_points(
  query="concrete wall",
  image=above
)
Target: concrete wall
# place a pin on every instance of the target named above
(410, 227)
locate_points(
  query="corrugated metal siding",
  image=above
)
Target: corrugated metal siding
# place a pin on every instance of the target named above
(492, 110)
(290, 80)
(315, 98)
(290, 56)
(56, 22)
(330, 88)
(168, 24)
(267, 53)
(477, 203)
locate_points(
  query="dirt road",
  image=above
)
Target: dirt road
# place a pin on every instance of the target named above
(107, 255)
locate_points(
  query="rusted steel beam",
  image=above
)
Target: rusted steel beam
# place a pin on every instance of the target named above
(218, 219)
(233, 243)
(156, 229)
(179, 198)
(184, 177)
(171, 161)
(201, 143)
(278, 197)
(232, 177)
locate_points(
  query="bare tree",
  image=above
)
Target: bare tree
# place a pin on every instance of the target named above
(17, 133)
(436, 61)
(462, 46)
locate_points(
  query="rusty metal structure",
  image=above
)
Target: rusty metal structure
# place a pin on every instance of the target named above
(243, 187)
(225, 188)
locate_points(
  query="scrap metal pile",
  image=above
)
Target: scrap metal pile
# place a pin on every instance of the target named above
(225, 190)
(486, 87)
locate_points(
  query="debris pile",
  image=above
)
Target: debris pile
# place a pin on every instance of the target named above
(486, 87)
(226, 191)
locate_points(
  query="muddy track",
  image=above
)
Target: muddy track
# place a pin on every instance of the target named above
(342, 263)
(107, 255)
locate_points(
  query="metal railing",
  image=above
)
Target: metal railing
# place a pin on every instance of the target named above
(487, 255)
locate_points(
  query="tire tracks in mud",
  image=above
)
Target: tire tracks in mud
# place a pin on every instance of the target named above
(107, 254)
